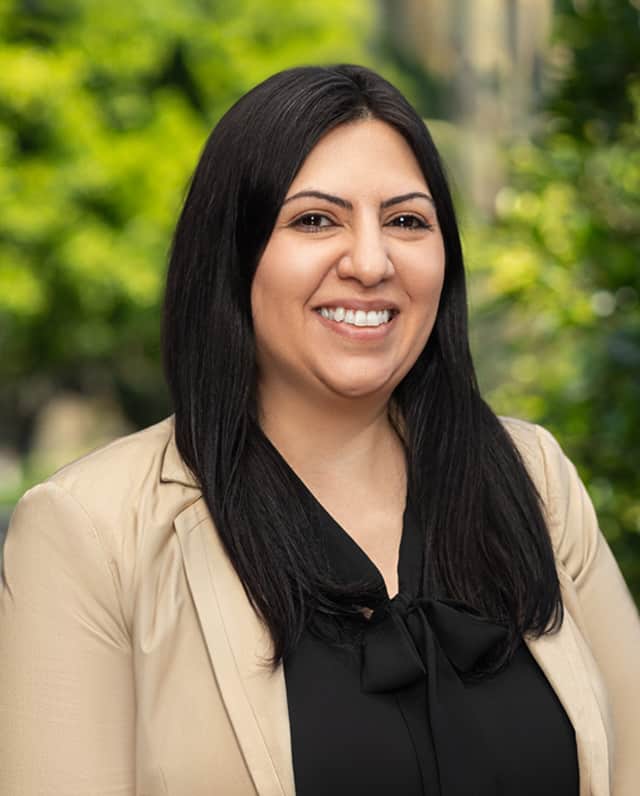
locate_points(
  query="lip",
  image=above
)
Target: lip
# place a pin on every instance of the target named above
(360, 333)
(375, 305)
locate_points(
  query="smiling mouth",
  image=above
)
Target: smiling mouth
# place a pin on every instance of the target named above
(371, 318)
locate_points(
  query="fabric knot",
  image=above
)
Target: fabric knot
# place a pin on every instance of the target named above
(395, 644)
(430, 645)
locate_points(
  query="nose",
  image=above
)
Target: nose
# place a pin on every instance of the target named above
(366, 257)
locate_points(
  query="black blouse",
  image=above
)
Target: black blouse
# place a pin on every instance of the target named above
(394, 713)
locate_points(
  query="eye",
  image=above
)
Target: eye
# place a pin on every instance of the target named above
(312, 222)
(409, 221)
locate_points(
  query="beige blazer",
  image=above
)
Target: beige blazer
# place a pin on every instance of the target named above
(131, 659)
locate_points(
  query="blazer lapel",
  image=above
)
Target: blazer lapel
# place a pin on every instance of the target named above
(560, 658)
(238, 643)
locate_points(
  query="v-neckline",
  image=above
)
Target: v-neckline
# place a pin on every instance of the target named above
(349, 559)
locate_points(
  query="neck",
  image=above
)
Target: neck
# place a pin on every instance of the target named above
(334, 440)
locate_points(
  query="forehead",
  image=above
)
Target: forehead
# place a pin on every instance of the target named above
(362, 156)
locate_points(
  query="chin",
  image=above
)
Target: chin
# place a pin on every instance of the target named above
(367, 378)
(361, 388)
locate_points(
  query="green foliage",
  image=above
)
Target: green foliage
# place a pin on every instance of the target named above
(557, 277)
(596, 63)
(104, 108)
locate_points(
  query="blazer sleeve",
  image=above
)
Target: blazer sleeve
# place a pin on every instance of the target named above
(66, 681)
(608, 616)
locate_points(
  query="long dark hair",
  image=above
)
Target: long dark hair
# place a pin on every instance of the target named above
(486, 541)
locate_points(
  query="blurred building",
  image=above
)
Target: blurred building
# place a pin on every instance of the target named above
(483, 68)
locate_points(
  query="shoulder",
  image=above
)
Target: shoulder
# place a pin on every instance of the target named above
(122, 463)
(568, 510)
(115, 495)
(541, 454)
(135, 477)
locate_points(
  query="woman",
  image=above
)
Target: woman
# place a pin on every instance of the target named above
(334, 570)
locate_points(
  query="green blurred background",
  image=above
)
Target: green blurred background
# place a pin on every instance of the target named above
(104, 108)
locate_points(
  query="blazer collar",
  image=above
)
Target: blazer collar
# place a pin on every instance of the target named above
(174, 469)
(237, 641)
(238, 644)
(568, 666)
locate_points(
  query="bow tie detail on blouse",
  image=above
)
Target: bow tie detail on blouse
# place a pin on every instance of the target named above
(422, 649)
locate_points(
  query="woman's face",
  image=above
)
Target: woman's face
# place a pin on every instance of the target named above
(346, 292)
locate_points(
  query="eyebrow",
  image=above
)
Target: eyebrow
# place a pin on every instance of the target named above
(337, 200)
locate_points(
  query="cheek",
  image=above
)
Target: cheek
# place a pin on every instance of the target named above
(266, 286)
(285, 279)
(260, 303)
(424, 280)
(275, 299)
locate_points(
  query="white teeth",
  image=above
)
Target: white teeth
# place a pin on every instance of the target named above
(356, 317)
